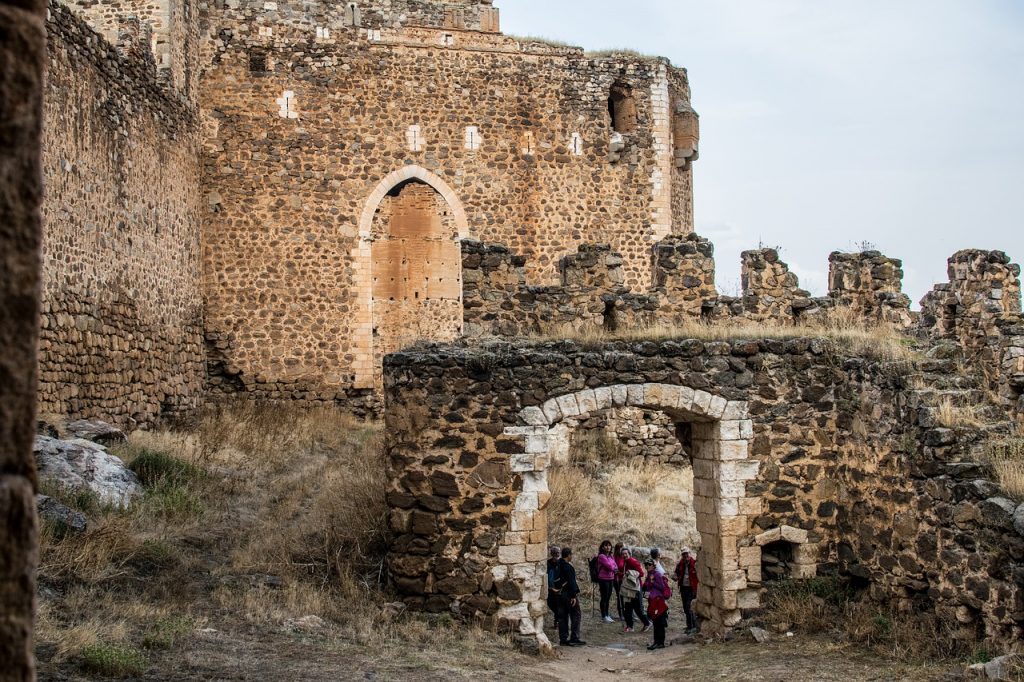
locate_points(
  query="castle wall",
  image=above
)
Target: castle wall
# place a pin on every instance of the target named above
(304, 117)
(22, 59)
(839, 463)
(122, 301)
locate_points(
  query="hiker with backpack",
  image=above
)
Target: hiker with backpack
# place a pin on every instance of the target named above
(569, 612)
(606, 570)
(631, 589)
(686, 578)
(658, 591)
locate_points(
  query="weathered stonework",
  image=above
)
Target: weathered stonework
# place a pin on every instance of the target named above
(22, 55)
(793, 442)
(122, 304)
(871, 286)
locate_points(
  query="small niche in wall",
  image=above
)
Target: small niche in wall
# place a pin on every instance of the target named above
(622, 108)
(352, 15)
(257, 62)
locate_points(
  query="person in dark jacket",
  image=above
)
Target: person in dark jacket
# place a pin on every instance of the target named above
(568, 601)
(686, 577)
(553, 556)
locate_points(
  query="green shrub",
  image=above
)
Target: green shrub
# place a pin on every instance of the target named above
(155, 468)
(113, 660)
(165, 632)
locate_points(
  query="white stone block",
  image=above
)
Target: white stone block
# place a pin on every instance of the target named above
(726, 507)
(512, 554)
(734, 580)
(568, 406)
(701, 402)
(635, 395)
(769, 536)
(604, 397)
(717, 407)
(537, 444)
(587, 401)
(515, 612)
(527, 571)
(736, 429)
(745, 470)
(685, 401)
(527, 502)
(733, 450)
(795, 535)
(749, 599)
(520, 463)
(619, 395)
(500, 572)
(736, 409)
(535, 482)
(551, 411)
(533, 416)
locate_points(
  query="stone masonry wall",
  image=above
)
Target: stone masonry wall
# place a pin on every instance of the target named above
(871, 285)
(310, 118)
(839, 458)
(122, 303)
(22, 59)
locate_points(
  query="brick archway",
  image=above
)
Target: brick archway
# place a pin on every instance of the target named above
(365, 363)
(729, 561)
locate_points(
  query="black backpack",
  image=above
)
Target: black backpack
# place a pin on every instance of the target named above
(592, 565)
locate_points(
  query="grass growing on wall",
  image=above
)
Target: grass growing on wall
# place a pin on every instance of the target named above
(1006, 457)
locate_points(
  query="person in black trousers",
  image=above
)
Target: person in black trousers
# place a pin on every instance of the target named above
(568, 601)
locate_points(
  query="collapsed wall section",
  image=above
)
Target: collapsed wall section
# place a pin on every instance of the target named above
(122, 304)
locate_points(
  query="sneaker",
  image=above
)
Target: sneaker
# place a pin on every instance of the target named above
(627, 629)
(646, 628)
(608, 619)
(577, 642)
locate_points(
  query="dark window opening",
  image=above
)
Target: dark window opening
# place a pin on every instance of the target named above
(257, 62)
(611, 322)
(777, 560)
(622, 108)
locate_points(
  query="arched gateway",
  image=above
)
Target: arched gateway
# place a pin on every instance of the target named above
(729, 557)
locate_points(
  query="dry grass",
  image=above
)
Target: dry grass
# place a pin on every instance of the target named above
(953, 416)
(639, 504)
(849, 334)
(1006, 457)
(827, 605)
(254, 516)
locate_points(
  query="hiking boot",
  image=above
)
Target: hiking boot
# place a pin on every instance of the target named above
(564, 642)
(577, 642)
(652, 647)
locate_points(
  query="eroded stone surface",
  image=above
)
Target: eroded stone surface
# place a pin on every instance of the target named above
(84, 465)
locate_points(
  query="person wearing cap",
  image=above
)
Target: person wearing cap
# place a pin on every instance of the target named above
(554, 554)
(658, 592)
(686, 578)
(569, 612)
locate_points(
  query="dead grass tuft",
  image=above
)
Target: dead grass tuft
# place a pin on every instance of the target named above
(1006, 457)
(953, 416)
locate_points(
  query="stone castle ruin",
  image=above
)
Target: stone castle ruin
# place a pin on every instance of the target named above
(287, 201)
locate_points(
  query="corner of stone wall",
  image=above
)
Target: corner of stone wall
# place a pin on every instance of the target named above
(770, 290)
(684, 275)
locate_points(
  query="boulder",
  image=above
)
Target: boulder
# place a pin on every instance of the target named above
(83, 465)
(65, 518)
(97, 431)
(1002, 668)
(760, 635)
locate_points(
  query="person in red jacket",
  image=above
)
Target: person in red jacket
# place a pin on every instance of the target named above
(686, 577)
(632, 588)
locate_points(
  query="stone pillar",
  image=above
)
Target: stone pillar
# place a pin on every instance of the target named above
(22, 55)
(871, 285)
(770, 290)
(684, 274)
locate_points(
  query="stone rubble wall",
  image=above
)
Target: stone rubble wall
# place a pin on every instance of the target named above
(22, 63)
(980, 308)
(871, 285)
(847, 471)
(122, 324)
(770, 290)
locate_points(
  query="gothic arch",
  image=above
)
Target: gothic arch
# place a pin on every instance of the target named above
(365, 365)
(730, 560)
(412, 172)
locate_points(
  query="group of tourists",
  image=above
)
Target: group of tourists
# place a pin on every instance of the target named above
(617, 572)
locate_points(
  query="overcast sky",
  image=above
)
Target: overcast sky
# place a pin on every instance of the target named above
(828, 124)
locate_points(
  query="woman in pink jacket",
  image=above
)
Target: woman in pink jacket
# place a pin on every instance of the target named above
(606, 570)
(658, 593)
